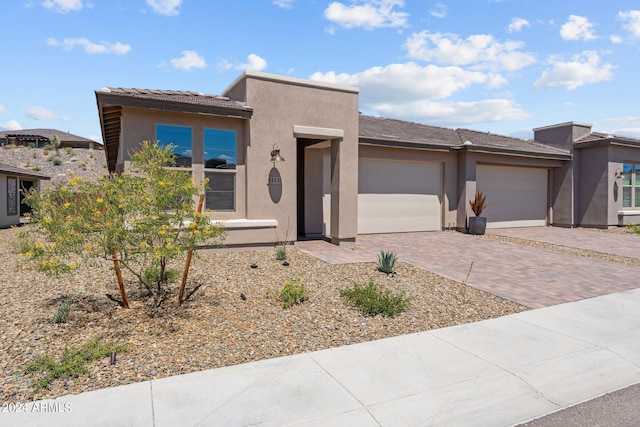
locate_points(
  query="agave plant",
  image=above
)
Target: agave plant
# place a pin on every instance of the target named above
(479, 203)
(387, 261)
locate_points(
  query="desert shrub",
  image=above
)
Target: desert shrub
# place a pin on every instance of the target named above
(634, 227)
(9, 146)
(142, 218)
(72, 363)
(57, 161)
(292, 293)
(62, 312)
(36, 168)
(68, 150)
(49, 147)
(387, 261)
(281, 253)
(371, 299)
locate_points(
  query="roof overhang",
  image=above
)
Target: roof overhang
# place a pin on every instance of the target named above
(110, 107)
(511, 152)
(402, 144)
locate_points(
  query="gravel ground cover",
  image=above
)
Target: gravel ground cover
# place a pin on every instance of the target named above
(573, 251)
(215, 327)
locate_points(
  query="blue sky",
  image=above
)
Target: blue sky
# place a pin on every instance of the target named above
(504, 66)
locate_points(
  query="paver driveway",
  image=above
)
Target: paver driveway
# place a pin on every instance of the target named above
(530, 276)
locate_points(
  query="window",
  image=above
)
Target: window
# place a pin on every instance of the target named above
(631, 185)
(179, 137)
(220, 169)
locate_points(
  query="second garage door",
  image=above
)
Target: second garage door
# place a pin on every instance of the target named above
(398, 196)
(516, 196)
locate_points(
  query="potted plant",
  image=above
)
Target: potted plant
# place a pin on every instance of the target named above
(478, 224)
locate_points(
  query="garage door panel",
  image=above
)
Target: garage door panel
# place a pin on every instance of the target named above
(395, 196)
(516, 196)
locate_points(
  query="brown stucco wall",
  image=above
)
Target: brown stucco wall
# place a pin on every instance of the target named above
(279, 104)
(140, 124)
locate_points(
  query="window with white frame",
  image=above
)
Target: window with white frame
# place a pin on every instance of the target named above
(631, 185)
(220, 169)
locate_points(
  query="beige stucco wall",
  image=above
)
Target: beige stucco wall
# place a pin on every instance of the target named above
(279, 104)
(140, 124)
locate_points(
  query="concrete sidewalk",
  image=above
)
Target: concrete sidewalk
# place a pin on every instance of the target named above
(497, 372)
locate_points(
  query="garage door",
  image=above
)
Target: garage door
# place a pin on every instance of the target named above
(398, 196)
(516, 196)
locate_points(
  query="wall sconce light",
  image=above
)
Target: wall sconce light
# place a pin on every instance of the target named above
(275, 154)
(619, 173)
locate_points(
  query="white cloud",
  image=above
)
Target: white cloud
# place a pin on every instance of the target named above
(165, 7)
(577, 28)
(455, 113)
(406, 82)
(89, 46)
(517, 24)
(439, 11)
(62, 6)
(10, 125)
(370, 14)
(38, 112)
(580, 70)
(621, 126)
(631, 20)
(3, 110)
(254, 62)
(615, 39)
(480, 50)
(188, 61)
(285, 4)
(413, 92)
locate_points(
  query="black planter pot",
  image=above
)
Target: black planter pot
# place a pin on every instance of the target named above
(477, 225)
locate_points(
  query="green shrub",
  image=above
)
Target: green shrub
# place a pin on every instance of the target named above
(62, 312)
(57, 161)
(68, 150)
(387, 261)
(152, 275)
(36, 168)
(292, 293)
(634, 227)
(72, 363)
(281, 253)
(372, 300)
(49, 147)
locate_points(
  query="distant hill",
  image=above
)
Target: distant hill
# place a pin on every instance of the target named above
(60, 166)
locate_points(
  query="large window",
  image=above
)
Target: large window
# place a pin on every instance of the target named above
(631, 185)
(220, 165)
(179, 137)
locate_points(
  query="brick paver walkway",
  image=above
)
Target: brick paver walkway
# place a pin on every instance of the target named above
(530, 276)
(627, 245)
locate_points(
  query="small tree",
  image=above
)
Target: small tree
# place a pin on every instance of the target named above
(139, 220)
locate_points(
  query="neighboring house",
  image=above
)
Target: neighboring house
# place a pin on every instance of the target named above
(41, 137)
(346, 174)
(14, 183)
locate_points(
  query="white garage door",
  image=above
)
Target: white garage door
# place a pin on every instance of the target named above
(398, 196)
(516, 196)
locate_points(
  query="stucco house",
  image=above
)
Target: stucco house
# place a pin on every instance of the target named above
(346, 174)
(14, 182)
(41, 137)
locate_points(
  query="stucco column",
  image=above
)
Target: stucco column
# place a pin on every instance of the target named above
(344, 192)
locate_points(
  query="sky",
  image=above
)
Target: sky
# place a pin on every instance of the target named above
(500, 66)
